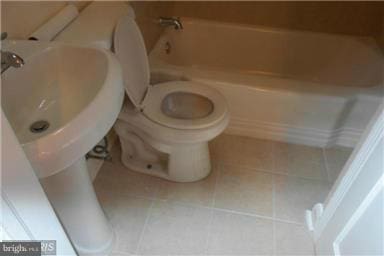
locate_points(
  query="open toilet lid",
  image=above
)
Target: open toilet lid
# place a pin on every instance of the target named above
(130, 49)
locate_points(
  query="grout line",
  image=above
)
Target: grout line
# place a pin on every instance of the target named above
(212, 207)
(259, 216)
(274, 238)
(251, 169)
(122, 253)
(209, 230)
(217, 209)
(154, 198)
(218, 174)
(326, 165)
(274, 164)
(274, 214)
(144, 227)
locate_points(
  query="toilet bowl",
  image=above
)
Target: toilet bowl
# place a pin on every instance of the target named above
(164, 129)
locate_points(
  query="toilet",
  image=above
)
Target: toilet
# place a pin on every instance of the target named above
(164, 129)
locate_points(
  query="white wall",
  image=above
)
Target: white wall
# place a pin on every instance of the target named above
(20, 18)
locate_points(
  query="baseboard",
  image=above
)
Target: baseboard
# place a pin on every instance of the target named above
(347, 137)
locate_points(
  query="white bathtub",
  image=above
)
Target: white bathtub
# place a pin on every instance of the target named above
(294, 86)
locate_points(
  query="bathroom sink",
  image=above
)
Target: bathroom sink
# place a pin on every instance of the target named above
(61, 102)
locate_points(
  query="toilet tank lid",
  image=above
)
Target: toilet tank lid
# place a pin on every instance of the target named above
(95, 24)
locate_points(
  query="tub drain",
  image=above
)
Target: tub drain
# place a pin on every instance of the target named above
(39, 126)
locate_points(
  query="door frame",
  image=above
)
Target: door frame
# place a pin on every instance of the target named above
(351, 172)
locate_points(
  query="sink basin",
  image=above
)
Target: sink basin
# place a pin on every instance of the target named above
(76, 92)
(60, 104)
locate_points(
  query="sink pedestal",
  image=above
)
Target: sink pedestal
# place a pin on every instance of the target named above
(72, 196)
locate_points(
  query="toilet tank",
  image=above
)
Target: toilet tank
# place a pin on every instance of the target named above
(95, 24)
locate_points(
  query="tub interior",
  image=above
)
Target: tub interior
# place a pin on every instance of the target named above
(317, 57)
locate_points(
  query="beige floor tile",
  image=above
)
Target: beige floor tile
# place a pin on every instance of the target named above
(234, 234)
(243, 151)
(198, 193)
(336, 157)
(299, 153)
(305, 170)
(120, 254)
(106, 180)
(240, 189)
(127, 216)
(293, 239)
(333, 172)
(299, 160)
(295, 195)
(116, 177)
(177, 225)
(175, 229)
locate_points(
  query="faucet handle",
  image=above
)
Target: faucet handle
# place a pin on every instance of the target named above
(4, 35)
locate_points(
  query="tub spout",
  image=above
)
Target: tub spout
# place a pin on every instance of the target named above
(9, 59)
(175, 22)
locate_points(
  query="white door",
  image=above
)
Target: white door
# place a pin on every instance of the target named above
(26, 213)
(353, 219)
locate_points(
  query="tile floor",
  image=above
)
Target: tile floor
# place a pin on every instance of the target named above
(252, 203)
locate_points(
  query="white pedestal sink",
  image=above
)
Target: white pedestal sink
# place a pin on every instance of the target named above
(75, 95)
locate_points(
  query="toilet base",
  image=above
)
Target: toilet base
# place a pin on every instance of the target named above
(182, 163)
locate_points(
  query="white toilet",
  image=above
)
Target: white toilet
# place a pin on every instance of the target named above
(164, 129)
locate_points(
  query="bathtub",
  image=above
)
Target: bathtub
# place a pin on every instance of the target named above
(294, 86)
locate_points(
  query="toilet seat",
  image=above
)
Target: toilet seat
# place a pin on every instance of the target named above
(146, 128)
(130, 50)
(152, 105)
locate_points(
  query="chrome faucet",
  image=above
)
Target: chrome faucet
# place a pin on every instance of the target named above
(175, 22)
(9, 59)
